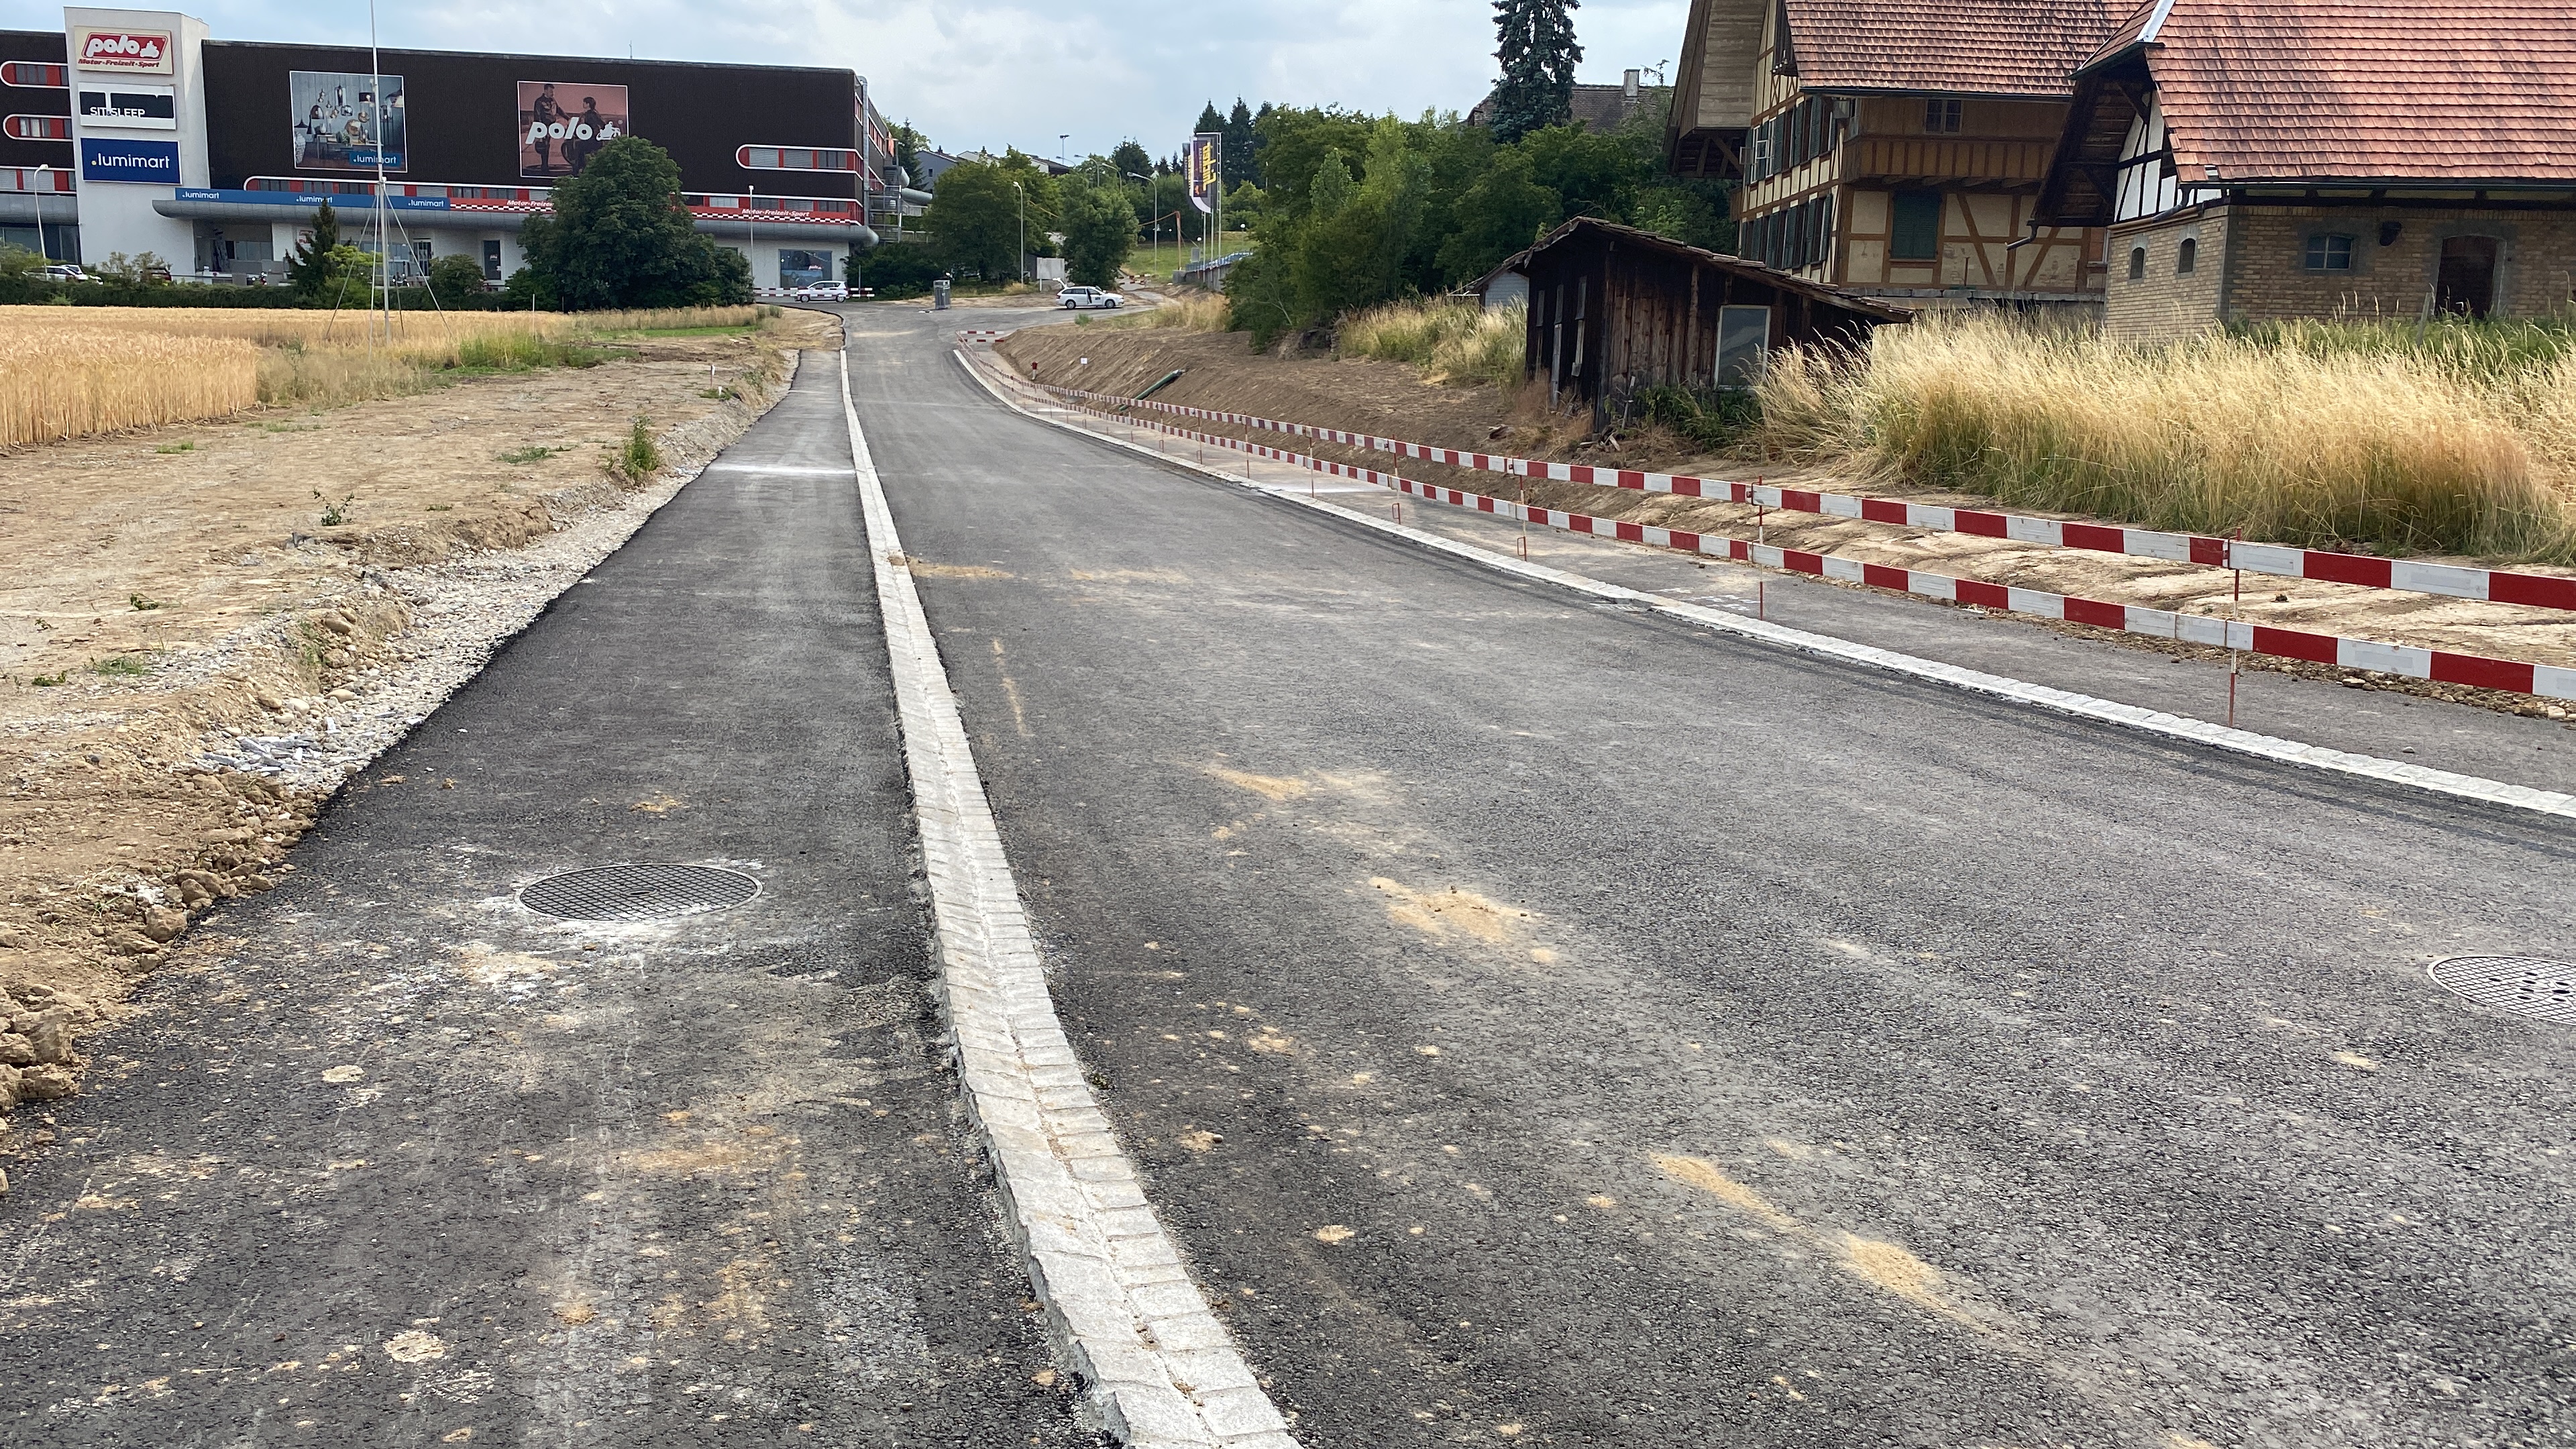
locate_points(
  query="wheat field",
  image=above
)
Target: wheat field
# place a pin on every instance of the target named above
(70, 371)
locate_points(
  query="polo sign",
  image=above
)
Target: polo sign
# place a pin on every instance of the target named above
(113, 158)
(143, 51)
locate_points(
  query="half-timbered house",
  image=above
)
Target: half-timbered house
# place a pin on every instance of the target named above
(1893, 149)
(2318, 157)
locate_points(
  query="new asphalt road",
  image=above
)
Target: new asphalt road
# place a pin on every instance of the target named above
(1549, 1024)
(1538, 1024)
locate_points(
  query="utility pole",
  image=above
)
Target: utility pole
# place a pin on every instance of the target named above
(1152, 206)
(384, 254)
(751, 253)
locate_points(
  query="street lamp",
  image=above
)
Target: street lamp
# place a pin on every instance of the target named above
(1020, 263)
(1154, 204)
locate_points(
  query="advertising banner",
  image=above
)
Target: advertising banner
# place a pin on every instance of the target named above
(562, 124)
(336, 121)
(1206, 151)
(135, 107)
(142, 52)
(113, 158)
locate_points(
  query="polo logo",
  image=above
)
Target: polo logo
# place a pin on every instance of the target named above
(139, 50)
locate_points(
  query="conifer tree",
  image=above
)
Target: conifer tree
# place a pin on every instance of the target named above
(1538, 55)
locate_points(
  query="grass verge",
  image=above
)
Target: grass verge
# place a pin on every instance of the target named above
(2452, 439)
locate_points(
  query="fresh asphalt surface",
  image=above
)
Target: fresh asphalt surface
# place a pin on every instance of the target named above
(1539, 1023)
(401, 1162)
(1550, 1024)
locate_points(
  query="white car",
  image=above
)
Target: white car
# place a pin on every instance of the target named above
(65, 272)
(1073, 297)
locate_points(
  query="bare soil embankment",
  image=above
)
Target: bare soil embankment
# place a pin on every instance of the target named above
(1221, 372)
(205, 628)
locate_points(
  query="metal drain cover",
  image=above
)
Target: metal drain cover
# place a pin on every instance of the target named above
(2527, 984)
(638, 892)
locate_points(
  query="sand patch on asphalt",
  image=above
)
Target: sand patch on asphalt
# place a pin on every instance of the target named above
(1455, 911)
(924, 568)
(1276, 788)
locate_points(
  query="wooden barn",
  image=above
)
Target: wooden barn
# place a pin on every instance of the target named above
(1613, 309)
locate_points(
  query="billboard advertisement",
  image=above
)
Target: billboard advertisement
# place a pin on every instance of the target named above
(140, 52)
(562, 124)
(1205, 162)
(337, 119)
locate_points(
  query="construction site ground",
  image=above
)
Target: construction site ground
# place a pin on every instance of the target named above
(205, 627)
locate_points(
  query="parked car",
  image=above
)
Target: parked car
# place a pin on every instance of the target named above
(822, 292)
(65, 272)
(1072, 297)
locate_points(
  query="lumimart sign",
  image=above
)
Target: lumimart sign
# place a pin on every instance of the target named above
(106, 158)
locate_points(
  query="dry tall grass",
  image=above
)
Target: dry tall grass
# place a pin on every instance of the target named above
(66, 382)
(1461, 343)
(1200, 312)
(67, 371)
(2301, 444)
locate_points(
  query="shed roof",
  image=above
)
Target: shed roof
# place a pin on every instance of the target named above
(1976, 47)
(2360, 89)
(1583, 227)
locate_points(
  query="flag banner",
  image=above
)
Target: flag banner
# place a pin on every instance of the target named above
(1203, 168)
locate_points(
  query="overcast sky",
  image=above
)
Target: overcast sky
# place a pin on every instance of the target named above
(991, 73)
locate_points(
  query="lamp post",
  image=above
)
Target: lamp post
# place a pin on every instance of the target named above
(1020, 264)
(1153, 204)
(751, 252)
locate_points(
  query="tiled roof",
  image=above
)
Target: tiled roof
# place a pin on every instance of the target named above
(2394, 89)
(1975, 47)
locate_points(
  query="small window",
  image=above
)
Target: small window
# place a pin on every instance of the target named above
(2329, 253)
(1743, 338)
(1916, 234)
(1941, 117)
(2186, 257)
(2137, 264)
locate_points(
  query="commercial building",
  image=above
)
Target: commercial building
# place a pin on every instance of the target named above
(2307, 159)
(135, 131)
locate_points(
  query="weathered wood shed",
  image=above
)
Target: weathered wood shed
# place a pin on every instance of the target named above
(1613, 309)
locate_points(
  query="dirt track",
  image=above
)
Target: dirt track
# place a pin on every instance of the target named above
(203, 628)
(1221, 372)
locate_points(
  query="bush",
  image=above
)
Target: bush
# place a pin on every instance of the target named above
(456, 281)
(898, 269)
(1463, 343)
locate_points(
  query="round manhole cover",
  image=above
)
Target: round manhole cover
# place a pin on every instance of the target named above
(638, 892)
(2527, 984)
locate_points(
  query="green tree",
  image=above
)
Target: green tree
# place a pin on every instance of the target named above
(619, 237)
(1241, 141)
(1130, 157)
(312, 268)
(1593, 173)
(1099, 229)
(974, 216)
(1538, 55)
(908, 146)
(1503, 212)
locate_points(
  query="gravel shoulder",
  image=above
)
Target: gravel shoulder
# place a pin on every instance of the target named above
(206, 628)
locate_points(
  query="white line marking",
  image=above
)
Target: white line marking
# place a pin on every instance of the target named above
(2082, 706)
(1163, 1372)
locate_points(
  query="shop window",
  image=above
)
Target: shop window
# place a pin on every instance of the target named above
(1941, 117)
(803, 269)
(2137, 264)
(1916, 232)
(2329, 252)
(2187, 257)
(491, 261)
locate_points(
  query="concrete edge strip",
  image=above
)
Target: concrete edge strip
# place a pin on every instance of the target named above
(2081, 706)
(1161, 1371)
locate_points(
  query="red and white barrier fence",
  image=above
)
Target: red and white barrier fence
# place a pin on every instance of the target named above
(2492, 585)
(983, 334)
(2438, 665)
